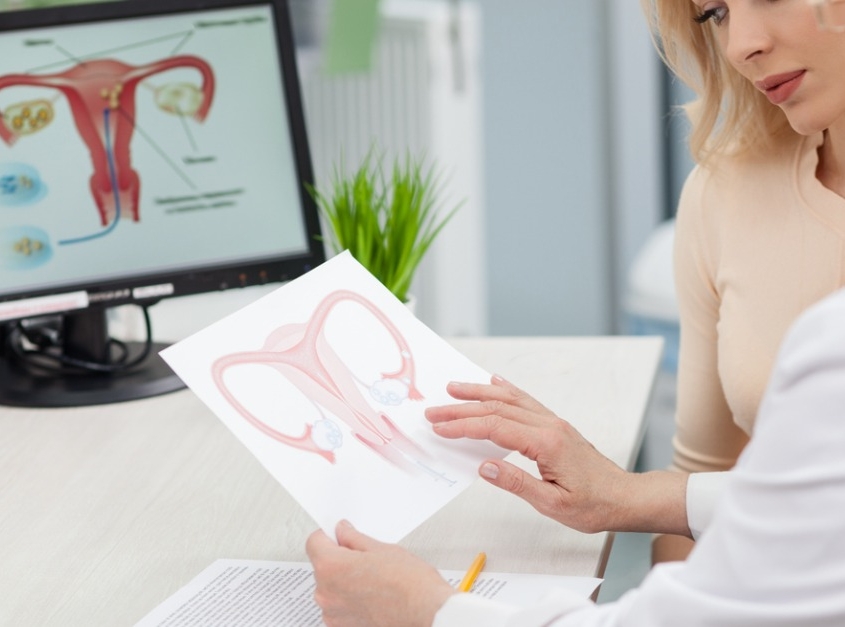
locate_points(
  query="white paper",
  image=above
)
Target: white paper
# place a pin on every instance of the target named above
(325, 381)
(232, 593)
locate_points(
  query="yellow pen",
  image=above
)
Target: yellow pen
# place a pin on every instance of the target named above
(472, 573)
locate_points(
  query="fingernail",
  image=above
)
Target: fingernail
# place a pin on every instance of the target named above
(489, 471)
(497, 378)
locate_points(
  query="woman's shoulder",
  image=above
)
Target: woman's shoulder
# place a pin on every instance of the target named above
(749, 168)
(749, 177)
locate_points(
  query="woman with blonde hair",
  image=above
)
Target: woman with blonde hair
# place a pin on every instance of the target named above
(760, 230)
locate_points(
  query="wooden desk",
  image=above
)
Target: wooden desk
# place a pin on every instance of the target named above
(106, 511)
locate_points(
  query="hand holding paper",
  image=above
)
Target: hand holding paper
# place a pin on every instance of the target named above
(390, 587)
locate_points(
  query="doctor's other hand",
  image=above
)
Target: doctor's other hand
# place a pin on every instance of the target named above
(364, 582)
(578, 486)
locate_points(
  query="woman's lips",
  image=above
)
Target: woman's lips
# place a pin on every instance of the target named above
(779, 87)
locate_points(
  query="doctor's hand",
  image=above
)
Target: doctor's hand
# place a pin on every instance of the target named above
(578, 486)
(364, 582)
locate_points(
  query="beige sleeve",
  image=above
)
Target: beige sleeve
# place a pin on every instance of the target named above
(706, 437)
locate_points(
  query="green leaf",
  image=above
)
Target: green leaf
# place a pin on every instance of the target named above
(386, 223)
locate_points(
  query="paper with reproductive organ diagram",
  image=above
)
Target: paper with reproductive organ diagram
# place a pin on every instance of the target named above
(325, 381)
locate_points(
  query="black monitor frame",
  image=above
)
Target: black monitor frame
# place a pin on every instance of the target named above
(83, 332)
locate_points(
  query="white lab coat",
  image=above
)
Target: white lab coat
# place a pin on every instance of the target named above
(774, 552)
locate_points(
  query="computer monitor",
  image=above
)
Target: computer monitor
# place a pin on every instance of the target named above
(148, 149)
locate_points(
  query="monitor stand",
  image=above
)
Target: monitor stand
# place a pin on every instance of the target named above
(86, 338)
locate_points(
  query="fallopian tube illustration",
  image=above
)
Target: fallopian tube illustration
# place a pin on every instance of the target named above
(301, 352)
(101, 94)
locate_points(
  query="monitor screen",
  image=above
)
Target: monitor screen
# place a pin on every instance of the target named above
(148, 149)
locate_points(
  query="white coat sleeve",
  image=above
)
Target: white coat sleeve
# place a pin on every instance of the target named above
(703, 492)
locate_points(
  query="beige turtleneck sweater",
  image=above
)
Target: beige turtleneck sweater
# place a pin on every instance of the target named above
(757, 241)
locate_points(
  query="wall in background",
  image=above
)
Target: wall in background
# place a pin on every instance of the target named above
(679, 161)
(545, 163)
(640, 198)
(573, 174)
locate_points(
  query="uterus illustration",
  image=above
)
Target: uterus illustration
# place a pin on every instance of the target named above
(101, 95)
(301, 352)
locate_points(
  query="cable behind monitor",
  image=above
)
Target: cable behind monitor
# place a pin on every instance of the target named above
(70, 360)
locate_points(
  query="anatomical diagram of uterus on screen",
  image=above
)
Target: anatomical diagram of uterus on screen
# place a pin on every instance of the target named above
(101, 94)
(139, 146)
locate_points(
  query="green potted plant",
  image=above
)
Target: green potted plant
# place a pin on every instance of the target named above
(386, 223)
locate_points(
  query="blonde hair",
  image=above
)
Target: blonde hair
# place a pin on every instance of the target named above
(730, 115)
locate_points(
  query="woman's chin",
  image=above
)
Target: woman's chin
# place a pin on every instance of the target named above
(807, 124)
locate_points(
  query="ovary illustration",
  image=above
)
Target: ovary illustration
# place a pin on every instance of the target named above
(101, 95)
(26, 118)
(301, 352)
(179, 98)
